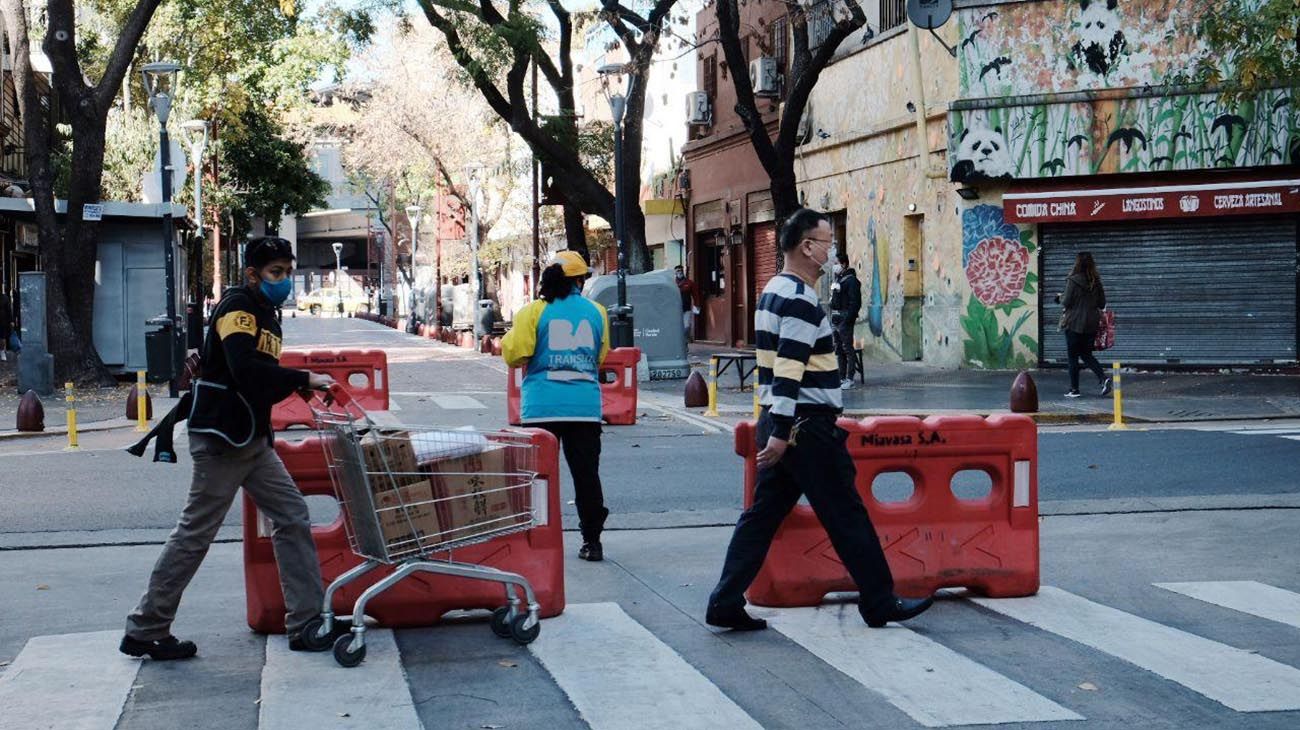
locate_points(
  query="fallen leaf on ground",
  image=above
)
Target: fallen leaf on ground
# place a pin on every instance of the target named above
(344, 714)
(4, 664)
(1092, 466)
(1088, 687)
(491, 727)
(507, 663)
(42, 587)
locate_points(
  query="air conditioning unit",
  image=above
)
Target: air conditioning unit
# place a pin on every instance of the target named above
(698, 109)
(763, 74)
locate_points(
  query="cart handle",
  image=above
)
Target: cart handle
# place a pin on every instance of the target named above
(335, 393)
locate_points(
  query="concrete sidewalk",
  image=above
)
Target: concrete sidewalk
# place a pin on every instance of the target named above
(918, 389)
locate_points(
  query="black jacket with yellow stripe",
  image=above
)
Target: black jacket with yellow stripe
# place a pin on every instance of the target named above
(240, 376)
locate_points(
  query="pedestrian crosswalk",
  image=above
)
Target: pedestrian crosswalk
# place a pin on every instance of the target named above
(623, 669)
(1291, 433)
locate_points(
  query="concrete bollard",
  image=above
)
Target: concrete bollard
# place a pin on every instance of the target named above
(1024, 394)
(697, 392)
(31, 412)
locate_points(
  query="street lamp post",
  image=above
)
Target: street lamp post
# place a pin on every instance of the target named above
(413, 217)
(338, 272)
(477, 280)
(621, 329)
(196, 133)
(159, 83)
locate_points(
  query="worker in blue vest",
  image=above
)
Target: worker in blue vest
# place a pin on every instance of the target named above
(560, 341)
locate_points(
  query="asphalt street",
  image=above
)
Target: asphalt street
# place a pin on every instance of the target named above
(1170, 597)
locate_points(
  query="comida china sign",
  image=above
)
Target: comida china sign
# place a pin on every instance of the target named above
(1175, 201)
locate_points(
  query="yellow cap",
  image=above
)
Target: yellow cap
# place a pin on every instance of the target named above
(573, 263)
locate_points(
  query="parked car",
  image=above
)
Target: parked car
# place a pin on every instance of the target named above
(327, 299)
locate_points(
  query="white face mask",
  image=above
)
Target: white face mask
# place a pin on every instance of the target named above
(837, 269)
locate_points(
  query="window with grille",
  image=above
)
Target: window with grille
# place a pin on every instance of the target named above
(710, 86)
(780, 30)
(820, 23)
(893, 13)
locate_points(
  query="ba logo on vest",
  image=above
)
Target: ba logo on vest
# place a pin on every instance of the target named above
(563, 336)
(565, 344)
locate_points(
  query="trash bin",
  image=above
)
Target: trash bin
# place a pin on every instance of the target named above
(485, 319)
(158, 354)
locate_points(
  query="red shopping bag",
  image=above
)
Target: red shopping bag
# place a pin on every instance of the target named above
(1105, 338)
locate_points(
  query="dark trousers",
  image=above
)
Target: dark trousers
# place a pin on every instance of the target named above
(1079, 347)
(820, 468)
(581, 443)
(843, 336)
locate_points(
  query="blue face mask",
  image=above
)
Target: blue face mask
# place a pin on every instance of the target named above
(277, 292)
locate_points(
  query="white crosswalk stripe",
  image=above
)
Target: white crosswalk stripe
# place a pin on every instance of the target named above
(302, 690)
(458, 402)
(620, 676)
(1292, 434)
(1246, 596)
(1236, 678)
(67, 682)
(933, 684)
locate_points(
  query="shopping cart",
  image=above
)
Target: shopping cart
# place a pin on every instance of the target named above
(411, 493)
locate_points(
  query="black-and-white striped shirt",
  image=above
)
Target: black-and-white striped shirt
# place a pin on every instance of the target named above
(798, 373)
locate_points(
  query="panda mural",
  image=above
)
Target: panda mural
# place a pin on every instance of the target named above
(980, 153)
(1101, 43)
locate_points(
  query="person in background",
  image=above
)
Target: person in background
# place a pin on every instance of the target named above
(560, 341)
(690, 301)
(802, 452)
(1083, 301)
(6, 325)
(846, 304)
(231, 442)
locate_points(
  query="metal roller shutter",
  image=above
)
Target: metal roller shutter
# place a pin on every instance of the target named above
(1209, 291)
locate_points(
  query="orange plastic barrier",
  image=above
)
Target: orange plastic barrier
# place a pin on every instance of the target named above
(363, 372)
(933, 539)
(423, 598)
(618, 388)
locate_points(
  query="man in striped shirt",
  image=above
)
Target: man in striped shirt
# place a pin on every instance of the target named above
(802, 451)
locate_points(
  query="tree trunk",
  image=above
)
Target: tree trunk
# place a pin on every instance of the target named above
(575, 230)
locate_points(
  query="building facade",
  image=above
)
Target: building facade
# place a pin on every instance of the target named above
(1078, 126)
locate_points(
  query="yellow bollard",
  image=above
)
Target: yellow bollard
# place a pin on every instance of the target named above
(713, 388)
(1118, 392)
(756, 407)
(72, 419)
(141, 403)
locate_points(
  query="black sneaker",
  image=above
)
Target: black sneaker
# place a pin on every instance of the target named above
(161, 650)
(591, 551)
(736, 619)
(1073, 394)
(1106, 387)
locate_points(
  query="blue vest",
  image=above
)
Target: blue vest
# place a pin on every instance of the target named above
(562, 382)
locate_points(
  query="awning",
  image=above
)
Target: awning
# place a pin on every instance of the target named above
(1248, 197)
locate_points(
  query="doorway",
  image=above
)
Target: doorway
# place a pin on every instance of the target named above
(913, 287)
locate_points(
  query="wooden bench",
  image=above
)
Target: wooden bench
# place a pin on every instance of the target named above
(746, 363)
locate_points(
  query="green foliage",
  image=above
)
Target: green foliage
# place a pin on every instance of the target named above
(266, 173)
(989, 345)
(1252, 44)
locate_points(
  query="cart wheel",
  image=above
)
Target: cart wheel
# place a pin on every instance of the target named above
(501, 622)
(314, 636)
(344, 656)
(522, 635)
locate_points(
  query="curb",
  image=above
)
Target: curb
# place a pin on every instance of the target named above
(106, 425)
(1052, 418)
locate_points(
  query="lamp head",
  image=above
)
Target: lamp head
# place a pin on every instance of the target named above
(338, 248)
(196, 133)
(159, 83)
(413, 212)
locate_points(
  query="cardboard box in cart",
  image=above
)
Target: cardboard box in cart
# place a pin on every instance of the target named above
(389, 451)
(479, 493)
(408, 518)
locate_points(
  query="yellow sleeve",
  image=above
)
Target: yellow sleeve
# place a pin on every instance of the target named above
(520, 342)
(237, 322)
(604, 337)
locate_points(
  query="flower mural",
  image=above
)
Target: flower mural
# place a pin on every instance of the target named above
(997, 269)
(996, 258)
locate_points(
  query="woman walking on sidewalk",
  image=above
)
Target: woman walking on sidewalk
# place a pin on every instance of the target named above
(560, 341)
(1083, 301)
